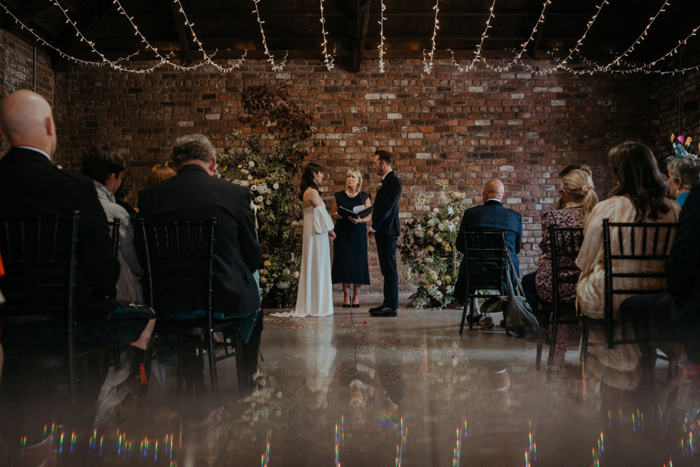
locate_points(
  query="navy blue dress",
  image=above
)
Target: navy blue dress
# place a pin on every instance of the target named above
(350, 245)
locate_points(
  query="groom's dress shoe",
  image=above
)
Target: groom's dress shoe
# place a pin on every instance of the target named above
(384, 311)
(376, 309)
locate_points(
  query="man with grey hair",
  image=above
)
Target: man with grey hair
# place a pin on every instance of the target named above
(195, 194)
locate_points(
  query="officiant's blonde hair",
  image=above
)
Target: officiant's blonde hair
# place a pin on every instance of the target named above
(356, 172)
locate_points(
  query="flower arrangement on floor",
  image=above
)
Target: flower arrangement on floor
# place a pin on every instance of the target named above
(428, 249)
(265, 162)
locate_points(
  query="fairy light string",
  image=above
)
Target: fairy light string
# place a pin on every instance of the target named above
(639, 40)
(328, 58)
(208, 58)
(617, 65)
(279, 66)
(525, 44)
(484, 35)
(428, 65)
(381, 48)
(91, 44)
(164, 59)
(54, 48)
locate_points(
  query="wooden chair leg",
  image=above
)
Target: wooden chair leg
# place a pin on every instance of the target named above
(472, 304)
(464, 316)
(212, 367)
(552, 342)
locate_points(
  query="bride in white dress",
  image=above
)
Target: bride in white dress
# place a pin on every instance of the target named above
(315, 295)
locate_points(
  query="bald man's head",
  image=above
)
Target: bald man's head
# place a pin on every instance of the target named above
(493, 190)
(27, 121)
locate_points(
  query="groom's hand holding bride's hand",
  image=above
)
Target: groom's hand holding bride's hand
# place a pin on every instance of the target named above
(331, 235)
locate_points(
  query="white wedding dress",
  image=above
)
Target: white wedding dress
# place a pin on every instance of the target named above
(315, 295)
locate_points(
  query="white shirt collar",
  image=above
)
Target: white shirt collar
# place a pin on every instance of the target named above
(34, 149)
(493, 199)
(386, 174)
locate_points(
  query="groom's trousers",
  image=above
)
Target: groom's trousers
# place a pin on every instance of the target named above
(386, 253)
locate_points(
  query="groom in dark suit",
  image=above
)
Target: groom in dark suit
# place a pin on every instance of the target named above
(385, 227)
(491, 216)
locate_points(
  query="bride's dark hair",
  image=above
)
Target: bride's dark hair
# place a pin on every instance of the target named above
(307, 178)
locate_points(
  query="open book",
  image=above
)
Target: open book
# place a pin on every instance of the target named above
(357, 212)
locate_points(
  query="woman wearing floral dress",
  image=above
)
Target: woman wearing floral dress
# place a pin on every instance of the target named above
(577, 199)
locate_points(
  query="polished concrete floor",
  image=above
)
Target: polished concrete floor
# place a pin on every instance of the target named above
(353, 390)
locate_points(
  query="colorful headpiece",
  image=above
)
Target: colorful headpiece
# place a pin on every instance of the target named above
(681, 145)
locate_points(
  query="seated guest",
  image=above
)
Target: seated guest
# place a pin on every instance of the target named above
(125, 193)
(106, 168)
(158, 173)
(194, 193)
(577, 198)
(683, 173)
(30, 185)
(680, 303)
(491, 216)
(639, 196)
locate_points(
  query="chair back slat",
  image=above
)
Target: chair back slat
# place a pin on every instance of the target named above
(630, 260)
(179, 263)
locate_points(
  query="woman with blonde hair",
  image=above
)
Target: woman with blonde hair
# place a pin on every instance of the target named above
(158, 173)
(577, 197)
(350, 266)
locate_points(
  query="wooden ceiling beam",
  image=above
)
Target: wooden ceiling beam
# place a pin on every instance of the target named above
(363, 7)
(93, 21)
(180, 26)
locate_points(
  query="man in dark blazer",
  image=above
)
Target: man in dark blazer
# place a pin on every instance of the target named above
(195, 194)
(385, 228)
(30, 184)
(490, 216)
(677, 308)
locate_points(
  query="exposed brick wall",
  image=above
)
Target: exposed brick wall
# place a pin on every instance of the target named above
(17, 70)
(450, 127)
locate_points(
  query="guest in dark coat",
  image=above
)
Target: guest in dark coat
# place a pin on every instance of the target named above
(194, 194)
(385, 227)
(491, 216)
(31, 185)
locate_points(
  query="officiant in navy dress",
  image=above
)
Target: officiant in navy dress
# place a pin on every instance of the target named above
(350, 266)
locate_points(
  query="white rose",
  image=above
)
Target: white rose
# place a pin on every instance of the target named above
(254, 188)
(251, 164)
(439, 282)
(433, 275)
(250, 177)
(435, 210)
(245, 172)
(450, 226)
(243, 183)
(276, 186)
(259, 199)
(438, 239)
(268, 202)
(441, 226)
(432, 222)
(450, 211)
